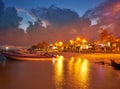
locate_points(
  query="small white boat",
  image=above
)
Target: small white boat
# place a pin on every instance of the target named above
(27, 56)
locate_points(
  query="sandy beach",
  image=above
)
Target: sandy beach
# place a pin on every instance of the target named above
(106, 57)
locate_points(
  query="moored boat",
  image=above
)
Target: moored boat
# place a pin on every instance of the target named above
(115, 65)
(28, 56)
(2, 60)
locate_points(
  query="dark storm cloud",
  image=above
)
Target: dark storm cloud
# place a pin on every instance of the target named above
(9, 19)
(9, 22)
(65, 24)
(55, 15)
(107, 14)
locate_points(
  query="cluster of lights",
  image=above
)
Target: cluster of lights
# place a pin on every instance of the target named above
(78, 41)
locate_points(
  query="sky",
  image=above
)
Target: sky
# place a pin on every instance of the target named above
(33, 21)
(79, 6)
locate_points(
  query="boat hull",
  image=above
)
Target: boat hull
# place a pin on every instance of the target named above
(115, 65)
(27, 57)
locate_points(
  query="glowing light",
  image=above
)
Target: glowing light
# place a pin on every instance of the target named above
(6, 48)
(78, 38)
(84, 41)
(56, 44)
(108, 43)
(71, 42)
(60, 43)
(54, 47)
(54, 60)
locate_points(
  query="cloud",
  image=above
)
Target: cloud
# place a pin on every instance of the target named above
(45, 23)
(51, 24)
(105, 17)
(55, 24)
(107, 14)
(109, 9)
(9, 23)
(55, 15)
(20, 10)
(9, 19)
(59, 24)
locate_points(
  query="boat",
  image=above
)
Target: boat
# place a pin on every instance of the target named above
(115, 65)
(27, 56)
(2, 60)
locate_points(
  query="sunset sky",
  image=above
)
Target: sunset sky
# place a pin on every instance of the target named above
(33, 21)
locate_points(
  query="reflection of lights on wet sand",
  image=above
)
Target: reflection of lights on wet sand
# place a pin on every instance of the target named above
(58, 72)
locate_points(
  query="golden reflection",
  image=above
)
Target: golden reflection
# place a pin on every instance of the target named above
(70, 66)
(53, 60)
(78, 71)
(58, 72)
(84, 72)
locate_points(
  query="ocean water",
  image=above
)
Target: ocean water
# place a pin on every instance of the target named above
(64, 72)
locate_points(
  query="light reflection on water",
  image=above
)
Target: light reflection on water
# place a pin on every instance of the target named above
(77, 72)
(83, 73)
(58, 73)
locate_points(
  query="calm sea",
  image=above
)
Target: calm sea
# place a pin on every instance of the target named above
(69, 72)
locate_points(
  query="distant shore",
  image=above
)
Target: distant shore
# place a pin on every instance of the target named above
(91, 55)
(99, 56)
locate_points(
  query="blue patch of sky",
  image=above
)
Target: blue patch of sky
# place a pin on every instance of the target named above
(26, 17)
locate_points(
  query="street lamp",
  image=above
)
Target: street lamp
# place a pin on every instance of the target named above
(56, 44)
(60, 43)
(71, 42)
(78, 39)
(84, 41)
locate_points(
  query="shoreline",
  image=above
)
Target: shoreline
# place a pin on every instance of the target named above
(106, 57)
(94, 55)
